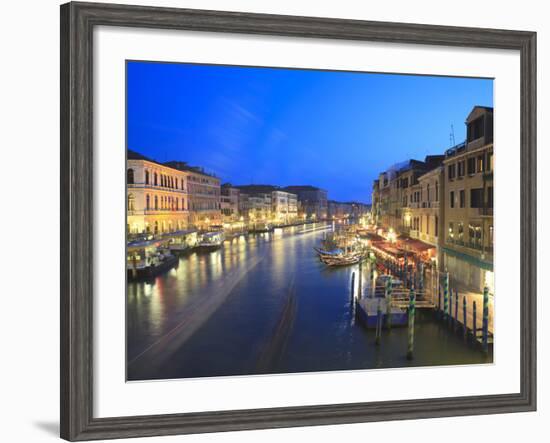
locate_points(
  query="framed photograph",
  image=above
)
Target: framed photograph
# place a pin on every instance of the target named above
(272, 221)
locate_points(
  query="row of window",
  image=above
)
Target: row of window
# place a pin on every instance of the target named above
(476, 198)
(158, 227)
(205, 206)
(475, 234)
(417, 196)
(156, 179)
(471, 166)
(417, 225)
(164, 203)
(204, 180)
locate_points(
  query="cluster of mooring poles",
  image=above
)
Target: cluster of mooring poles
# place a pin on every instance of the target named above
(413, 279)
(452, 318)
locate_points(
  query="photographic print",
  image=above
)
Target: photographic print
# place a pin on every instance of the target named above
(297, 220)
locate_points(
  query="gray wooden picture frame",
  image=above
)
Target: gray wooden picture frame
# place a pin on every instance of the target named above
(77, 216)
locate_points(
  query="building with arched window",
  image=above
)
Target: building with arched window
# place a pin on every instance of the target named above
(204, 191)
(152, 192)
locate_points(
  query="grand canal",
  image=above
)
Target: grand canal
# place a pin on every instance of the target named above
(265, 304)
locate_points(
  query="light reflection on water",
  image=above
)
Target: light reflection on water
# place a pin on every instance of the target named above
(280, 310)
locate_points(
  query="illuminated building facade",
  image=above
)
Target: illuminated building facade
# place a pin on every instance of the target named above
(447, 201)
(467, 214)
(284, 206)
(204, 192)
(157, 197)
(229, 202)
(423, 212)
(313, 203)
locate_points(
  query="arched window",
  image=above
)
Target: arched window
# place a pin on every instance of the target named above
(182, 188)
(130, 176)
(131, 201)
(156, 179)
(177, 205)
(156, 226)
(156, 203)
(146, 177)
(148, 202)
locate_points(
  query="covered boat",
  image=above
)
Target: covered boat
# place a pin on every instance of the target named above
(210, 241)
(148, 258)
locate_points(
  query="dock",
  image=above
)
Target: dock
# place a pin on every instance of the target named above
(367, 312)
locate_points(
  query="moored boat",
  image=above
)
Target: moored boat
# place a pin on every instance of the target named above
(343, 260)
(148, 258)
(182, 242)
(261, 227)
(210, 241)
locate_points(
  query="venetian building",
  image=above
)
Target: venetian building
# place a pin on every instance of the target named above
(230, 197)
(467, 249)
(284, 206)
(204, 191)
(424, 216)
(157, 198)
(313, 201)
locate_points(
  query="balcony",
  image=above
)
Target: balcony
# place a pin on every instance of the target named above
(155, 188)
(470, 245)
(155, 211)
(482, 212)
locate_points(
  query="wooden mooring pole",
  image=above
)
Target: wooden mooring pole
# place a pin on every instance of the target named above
(446, 296)
(464, 318)
(485, 325)
(410, 344)
(450, 316)
(360, 285)
(352, 285)
(456, 308)
(378, 322)
(388, 303)
(474, 324)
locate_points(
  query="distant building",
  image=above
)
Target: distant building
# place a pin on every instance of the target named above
(423, 216)
(338, 209)
(396, 191)
(157, 197)
(268, 203)
(313, 201)
(204, 195)
(229, 202)
(284, 206)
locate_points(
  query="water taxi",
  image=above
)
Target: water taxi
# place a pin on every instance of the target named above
(261, 227)
(181, 242)
(148, 258)
(210, 241)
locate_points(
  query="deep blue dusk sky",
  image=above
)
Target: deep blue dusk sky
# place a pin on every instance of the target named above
(335, 130)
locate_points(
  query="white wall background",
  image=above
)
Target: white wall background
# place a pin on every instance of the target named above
(29, 146)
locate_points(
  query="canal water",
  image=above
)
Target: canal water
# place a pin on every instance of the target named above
(264, 303)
